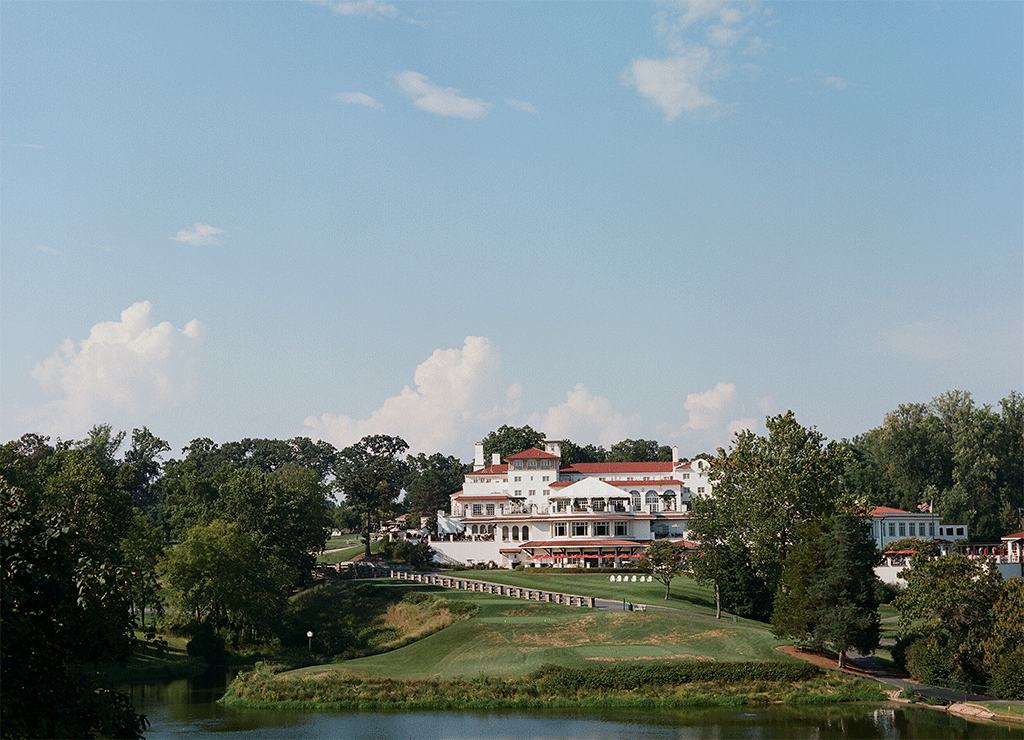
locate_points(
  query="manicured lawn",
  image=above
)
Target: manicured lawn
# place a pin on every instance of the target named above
(343, 556)
(685, 593)
(512, 636)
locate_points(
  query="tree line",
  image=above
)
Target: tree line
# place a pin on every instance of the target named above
(96, 542)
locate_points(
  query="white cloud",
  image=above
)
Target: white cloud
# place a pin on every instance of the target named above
(520, 105)
(201, 234)
(457, 393)
(48, 250)
(364, 8)
(706, 408)
(358, 98)
(679, 82)
(441, 101)
(586, 419)
(125, 368)
(674, 84)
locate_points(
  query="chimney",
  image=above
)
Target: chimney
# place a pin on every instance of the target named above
(675, 455)
(478, 456)
(553, 447)
(495, 458)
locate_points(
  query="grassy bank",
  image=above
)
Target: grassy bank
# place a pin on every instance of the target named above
(661, 685)
(157, 662)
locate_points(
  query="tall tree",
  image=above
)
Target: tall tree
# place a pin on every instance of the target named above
(370, 474)
(508, 440)
(61, 619)
(431, 482)
(144, 458)
(765, 486)
(950, 598)
(572, 453)
(218, 574)
(828, 588)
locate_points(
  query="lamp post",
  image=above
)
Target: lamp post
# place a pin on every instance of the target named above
(310, 636)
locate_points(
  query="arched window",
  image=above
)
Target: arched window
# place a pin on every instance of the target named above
(651, 499)
(476, 529)
(526, 532)
(504, 533)
(515, 533)
(635, 495)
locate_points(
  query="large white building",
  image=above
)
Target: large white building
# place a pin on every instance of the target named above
(535, 510)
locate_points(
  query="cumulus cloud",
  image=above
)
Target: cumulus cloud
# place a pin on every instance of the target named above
(698, 37)
(714, 416)
(358, 98)
(706, 408)
(123, 369)
(586, 419)
(441, 101)
(457, 392)
(201, 234)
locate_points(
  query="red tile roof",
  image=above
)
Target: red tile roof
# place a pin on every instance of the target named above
(533, 453)
(886, 511)
(583, 543)
(623, 483)
(622, 467)
(491, 470)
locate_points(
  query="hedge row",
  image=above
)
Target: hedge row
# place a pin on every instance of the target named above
(632, 676)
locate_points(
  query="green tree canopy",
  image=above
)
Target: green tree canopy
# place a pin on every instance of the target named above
(370, 475)
(639, 450)
(828, 590)
(664, 561)
(218, 573)
(61, 619)
(431, 481)
(765, 486)
(508, 440)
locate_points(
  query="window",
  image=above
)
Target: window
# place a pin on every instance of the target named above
(561, 505)
(601, 529)
(515, 533)
(579, 529)
(635, 495)
(903, 529)
(490, 509)
(597, 504)
(545, 463)
(531, 463)
(517, 479)
(892, 529)
(913, 529)
(700, 489)
(959, 531)
(517, 463)
(620, 529)
(546, 478)
(686, 476)
(478, 509)
(560, 529)
(931, 529)
(504, 533)
(526, 532)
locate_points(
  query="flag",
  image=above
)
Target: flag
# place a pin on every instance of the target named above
(925, 508)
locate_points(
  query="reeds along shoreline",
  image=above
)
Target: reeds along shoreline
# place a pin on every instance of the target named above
(628, 686)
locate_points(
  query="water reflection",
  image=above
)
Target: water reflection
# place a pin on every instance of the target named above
(189, 708)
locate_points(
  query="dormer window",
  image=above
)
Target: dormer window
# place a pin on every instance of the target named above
(531, 463)
(545, 463)
(517, 463)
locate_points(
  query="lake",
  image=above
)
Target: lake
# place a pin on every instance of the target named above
(189, 708)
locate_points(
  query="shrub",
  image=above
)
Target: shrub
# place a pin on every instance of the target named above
(930, 662)
(207, 645)
(1006, 680)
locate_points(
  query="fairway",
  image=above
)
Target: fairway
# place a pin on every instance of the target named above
(685, 594)
(512, 636)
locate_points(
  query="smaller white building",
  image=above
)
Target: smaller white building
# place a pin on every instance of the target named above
(890, 525)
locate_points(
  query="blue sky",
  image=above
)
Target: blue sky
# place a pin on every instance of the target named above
(606, 220)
